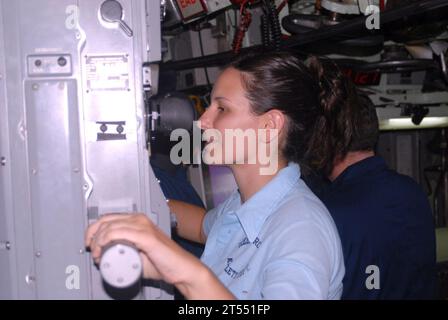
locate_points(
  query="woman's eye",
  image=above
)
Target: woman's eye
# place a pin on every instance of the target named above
(220, 108)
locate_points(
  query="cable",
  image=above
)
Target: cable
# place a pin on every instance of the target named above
(275, 31)
(388, 66)
(245, 21)
(265, 33)
(358, 24)
(275, 23)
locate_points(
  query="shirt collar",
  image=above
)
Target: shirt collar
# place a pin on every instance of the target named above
(360, 169)
(253, 213)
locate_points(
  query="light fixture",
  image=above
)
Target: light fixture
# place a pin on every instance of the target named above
(407, 123)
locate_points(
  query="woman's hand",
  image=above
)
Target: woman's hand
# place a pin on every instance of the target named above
(158, 252)
(162, 258)
(136, 228)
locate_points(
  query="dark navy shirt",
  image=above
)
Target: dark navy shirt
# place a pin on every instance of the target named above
(175, 185)
(386, 229)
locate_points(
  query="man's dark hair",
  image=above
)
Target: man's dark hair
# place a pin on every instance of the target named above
(365, 137)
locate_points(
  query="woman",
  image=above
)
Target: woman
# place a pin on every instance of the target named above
(273, 238)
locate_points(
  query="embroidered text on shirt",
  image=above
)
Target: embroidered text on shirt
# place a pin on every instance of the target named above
(257, 242)
(232, 272)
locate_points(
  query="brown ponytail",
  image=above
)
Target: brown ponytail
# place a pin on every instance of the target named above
(348, 121)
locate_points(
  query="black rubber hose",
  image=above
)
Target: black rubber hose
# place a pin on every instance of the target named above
(301, 23)
(388, 66)
(358, 24)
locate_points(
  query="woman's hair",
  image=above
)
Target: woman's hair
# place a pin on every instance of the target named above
(326, 116)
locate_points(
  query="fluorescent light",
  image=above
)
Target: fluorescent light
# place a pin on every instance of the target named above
(406, 123)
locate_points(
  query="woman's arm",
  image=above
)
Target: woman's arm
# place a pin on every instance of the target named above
(189, 220)
(162, 258)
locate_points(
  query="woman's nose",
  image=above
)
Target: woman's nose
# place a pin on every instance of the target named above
(205, 120)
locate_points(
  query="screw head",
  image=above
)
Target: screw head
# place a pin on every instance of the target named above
(103, 128)
(62, 61)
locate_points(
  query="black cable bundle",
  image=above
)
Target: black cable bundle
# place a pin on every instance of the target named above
(271, 25)
(265, 33)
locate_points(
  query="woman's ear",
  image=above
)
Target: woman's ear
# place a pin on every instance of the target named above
(273, 122)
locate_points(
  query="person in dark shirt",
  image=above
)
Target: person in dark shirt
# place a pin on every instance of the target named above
(384, 218)
(175, 185)
(385, 225)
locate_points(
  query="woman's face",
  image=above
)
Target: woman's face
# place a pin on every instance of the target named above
(229, 116)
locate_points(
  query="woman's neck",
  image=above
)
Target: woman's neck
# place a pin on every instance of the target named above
(249, 179)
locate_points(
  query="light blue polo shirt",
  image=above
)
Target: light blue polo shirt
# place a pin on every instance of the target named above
(280, 244)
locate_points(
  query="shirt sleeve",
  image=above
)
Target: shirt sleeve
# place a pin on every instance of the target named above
(209, 220)
(301, 266)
